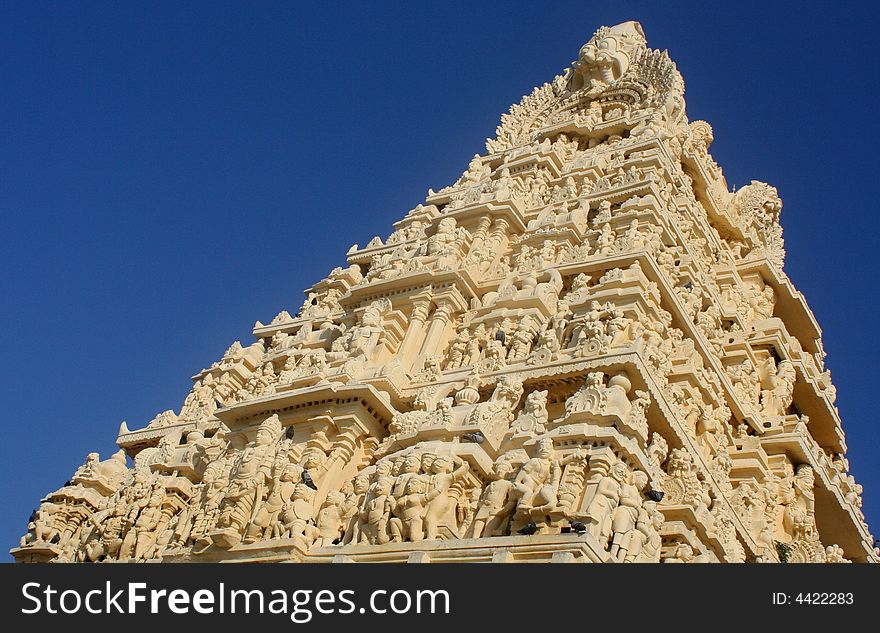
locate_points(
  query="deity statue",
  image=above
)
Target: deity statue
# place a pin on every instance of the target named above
(600, 512)
(444, 243)
(532, 419)
(801, 504)
(458, 350)
(298, 514)
(248, 479)
(776, 396)
(626, 515)
(377, 512)
(520, 343)
(536, 484)
(496, 503)
(408, 524)
(444, 471)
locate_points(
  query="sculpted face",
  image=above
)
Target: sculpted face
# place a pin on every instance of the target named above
(535, 403)
(412, 463)
(313, 459)
(503, 469)
(264, 436)
(383, 487)
(428, 459)
(442, 465)
(361, 484)
(397, 466)
(302, 491)
(414, 486)
(640, 479)
(212, 471)
(619, 471)
(545, 448)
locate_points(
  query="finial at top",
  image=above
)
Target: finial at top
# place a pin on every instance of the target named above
(606, 57)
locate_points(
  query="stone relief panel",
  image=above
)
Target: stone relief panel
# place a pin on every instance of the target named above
(585, 344)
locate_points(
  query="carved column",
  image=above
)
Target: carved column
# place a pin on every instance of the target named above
(480, 234)
(340, 455)
(433, 339)
(498, 235)
(413, 336)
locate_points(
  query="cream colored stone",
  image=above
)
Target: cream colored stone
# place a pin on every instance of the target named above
(583, 350)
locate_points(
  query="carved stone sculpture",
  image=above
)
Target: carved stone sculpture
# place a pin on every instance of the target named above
(586, 347)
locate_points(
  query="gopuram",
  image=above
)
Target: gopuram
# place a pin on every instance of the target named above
(583, 350)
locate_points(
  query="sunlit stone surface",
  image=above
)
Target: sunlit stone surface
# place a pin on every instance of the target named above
(583, 350)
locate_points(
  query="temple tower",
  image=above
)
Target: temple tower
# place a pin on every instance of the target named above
(585, 349)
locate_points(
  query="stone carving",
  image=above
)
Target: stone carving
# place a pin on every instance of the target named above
(610, 404)
(496, 503)
(585, 345)
(248, 480)
(600, 512)
(757, 207)
(778, 389)
(536, 484)
(532, 420)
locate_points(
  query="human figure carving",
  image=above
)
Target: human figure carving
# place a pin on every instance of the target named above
(411, 508)
(520, 343)
(266, 523)
(600, 512)
(496, 503)
(801, 504)
(536, 484)
(248, 480)
(778, 390)
(329, 521)
(645, 541)
(533, 418)
(377, 511)
(298, 514)
(625, 517)
(443, 473)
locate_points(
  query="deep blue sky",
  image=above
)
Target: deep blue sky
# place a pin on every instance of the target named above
(169, 174)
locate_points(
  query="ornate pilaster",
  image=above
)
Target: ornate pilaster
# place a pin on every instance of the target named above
(421, 305)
